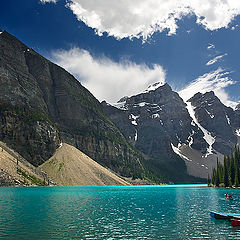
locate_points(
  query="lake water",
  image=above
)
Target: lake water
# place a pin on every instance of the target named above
(134, 212)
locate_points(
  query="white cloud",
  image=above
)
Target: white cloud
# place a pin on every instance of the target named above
(106, 79)
(214, 60)
(141, 18)
(215, 81)
(210, 46)
(48, 1)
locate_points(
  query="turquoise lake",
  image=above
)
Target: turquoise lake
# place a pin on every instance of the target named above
(127, 212)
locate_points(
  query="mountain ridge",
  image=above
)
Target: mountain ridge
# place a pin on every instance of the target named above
(191, 134)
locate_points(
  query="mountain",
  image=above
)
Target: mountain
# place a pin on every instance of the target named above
(154, 122)
(42, 105)
(177, 138)
(69, 166)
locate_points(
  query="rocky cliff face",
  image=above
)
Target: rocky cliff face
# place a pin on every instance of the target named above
(41, 105)
(221, 121)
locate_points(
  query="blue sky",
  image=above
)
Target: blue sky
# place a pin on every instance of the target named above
(118, 48)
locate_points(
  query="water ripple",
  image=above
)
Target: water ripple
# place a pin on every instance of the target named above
(115, 213)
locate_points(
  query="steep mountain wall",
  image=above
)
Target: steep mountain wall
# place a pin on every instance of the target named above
(42, 105)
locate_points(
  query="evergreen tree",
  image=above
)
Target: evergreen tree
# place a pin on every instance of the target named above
(226, 176)
(228, 173)
(236, 167)
(208, 180)
(214, 177)
(232, 170)
(218, 174)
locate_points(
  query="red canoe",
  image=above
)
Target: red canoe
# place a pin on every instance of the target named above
(235, 222)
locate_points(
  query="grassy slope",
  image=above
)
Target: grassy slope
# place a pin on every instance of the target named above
(69, 166)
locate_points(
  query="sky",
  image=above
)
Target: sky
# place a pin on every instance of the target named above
(118, 48)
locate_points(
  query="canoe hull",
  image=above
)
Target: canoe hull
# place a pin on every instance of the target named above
(228, 216)
(235, 222)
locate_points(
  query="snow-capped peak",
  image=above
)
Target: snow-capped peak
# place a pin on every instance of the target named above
(154, 86)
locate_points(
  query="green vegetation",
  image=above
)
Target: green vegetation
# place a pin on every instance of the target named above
(33, 179)
(228, 174)
(33, 116)
(60, 166)
(27, 115)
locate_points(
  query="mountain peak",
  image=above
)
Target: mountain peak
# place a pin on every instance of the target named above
(203, 96)
(155, 86)
(237, 108)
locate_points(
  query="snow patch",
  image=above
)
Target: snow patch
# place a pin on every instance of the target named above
(207, 135)
(155, 115)
(228, 119)
(133, 119)
(161, 121)
(1, 32)
(178, 138)
(120, 105)
(156, 108)
(136, 135)
(190, 139)
(154, 86)
(141, 104)
(178, 152)
(193, 123)
(238, 132)
(211, 115)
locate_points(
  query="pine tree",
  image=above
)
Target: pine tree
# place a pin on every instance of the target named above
(208, 180)
(236, 166)
(232, 169)
(214, 177)
(226, 176)
(218, 174)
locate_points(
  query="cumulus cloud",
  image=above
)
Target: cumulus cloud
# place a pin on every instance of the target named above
(106, 79)
(141, 18)
(215, 81)
(48, 1)
(214, 60)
